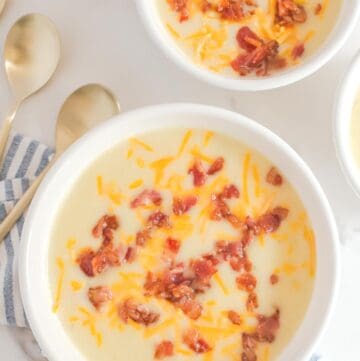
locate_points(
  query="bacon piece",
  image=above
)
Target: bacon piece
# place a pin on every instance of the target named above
(173, 245)
(137, 312)
(222, 211)
(256, 60)
(230, 191)
(252, 302)
(318, 9)
(246, 282)
(99, 295)
(234, 317)
(274, 177)
(85, 261)
(216, 166)
(190, 307)
(288, 13)
(249, 347)
(195, 342)
(231, 9)
(199, 174)
(274, 279)
(130, 254)
(181, 7)
(205, 6)
(164, 349)
(203, 268)
(159, 220)
(271, 221)
(143, 236)
(298, 51)
(183, 205)
(105, 223)
(145, 198)
(106, 257)
(267, 327)
(247, 39)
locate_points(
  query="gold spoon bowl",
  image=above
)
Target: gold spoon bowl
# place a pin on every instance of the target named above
(85, 108)
(31, 55)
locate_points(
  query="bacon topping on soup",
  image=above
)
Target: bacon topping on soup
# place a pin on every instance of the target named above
(164, 349)
(137, 312)
(184, 204)
(99, 295)
(181, 7)
(195, 342)
(146, 197)
(288, 12)
(274, 177)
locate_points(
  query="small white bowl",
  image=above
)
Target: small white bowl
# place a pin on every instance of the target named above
(347, 19)
(33, 262)
(343, 110)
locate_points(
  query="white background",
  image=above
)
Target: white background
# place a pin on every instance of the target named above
(104, 41)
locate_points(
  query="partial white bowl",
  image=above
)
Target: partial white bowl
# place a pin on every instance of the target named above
(343, 110)
(347, 19)
(33, 262)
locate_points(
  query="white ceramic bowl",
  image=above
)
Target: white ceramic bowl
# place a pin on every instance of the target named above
(347, 19)
(33, 263)
(344, 103)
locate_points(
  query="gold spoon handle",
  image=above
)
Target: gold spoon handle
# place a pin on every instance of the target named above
(22, 203)
(6, 128)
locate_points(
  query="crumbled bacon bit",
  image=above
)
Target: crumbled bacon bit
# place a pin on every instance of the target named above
(230, 191)
(249, 347)
(143, 236)
(222, 211)
(267, 327)
(190, 307)
(288, 12)
(246, 282)
(106, 257)
(183, 205)
(85, 261)
(137, 312)
(298, 51)
(258, 60)
(252, 302)
(159, 220)
(173, 245)
(164, 349)
(274, 177)
(199, 174)
(145, 198)
(274, 279)
(271, 221)
(234, 317)
(193, 340)
(203, 268)
(205, 6)
(216, 166)
(130, 254)
(231, 9)
(105, 223)
(181, 7)
(247, 39)
(318, 9)
(98, 296)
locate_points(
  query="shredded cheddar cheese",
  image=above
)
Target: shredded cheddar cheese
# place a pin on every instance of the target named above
(136, 184)
(196, 152)
(76, 285)
(207, 137)
(142, 144)
(310, 239)
(184, 142)
(61, 268)
(221, 283)
(99, 183)
(245, 174)
(159, 167)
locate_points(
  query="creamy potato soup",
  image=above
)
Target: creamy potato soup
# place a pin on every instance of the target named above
(248, 37)
(355, 130)
(182, 245)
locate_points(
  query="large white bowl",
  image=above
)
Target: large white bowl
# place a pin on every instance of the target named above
(347, 19)
(344, 104)
(33, 263)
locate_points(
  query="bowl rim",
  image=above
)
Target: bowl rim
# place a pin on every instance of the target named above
(349, 15)
(349, 87)
(31, 271)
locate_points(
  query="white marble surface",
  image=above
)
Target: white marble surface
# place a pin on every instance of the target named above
(104, 41)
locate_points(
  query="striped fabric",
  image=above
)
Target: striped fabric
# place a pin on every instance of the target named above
(24, 160)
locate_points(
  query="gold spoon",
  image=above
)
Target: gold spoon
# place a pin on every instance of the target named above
(2, 5)
(31, 54)
(82, 110)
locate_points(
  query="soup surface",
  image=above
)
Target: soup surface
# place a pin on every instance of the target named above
(248, 38)
(181, 244)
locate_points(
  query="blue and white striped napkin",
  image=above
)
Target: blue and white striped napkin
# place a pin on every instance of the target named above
(24, 160)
